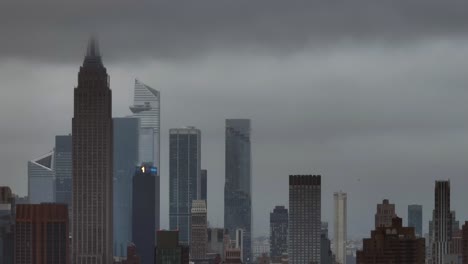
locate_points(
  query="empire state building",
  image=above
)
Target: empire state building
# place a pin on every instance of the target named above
(92, 137)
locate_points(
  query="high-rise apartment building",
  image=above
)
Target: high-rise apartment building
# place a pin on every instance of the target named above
(204, 185)
(415, 218)
(441, 223)
(143, 227)
(146, 107)
(199, 236)
(92, 148)
(278, 231)
(41, 179)
(169, 250)
(385, 214)
(465, 243)
(340, 225)
(42, 234)
(304, 219)
(238, 185)
(63, 171)
(392, 244)
(126, 134)
(184, 178)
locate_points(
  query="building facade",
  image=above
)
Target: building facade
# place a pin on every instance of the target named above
(169, 250)
(204, 186)
(7, 221)
(278, 231)
(385, 214)
(184, 178)
(216, 240)
(340, 225)
(441, 223)
(143, 224)
(63, 171)
(238, 183)
(92, 148)
(41, 179)
(126, 135)
(392, 244)
(465, 243)
(415, 212)
(304, 219)
(199, 236)
(42, 234)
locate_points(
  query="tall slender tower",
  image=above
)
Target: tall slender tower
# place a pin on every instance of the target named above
(304, 219)
(92, 144)
(442, 222)
(199, 236)
(238, 185)
(340, 227)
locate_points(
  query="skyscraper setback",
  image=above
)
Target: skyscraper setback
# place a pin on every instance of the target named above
(184, 178)
(340, 225)
(304, 219)
(238, 185)
(385, 214)
(92, 138)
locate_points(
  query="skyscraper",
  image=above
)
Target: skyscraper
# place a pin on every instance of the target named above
(63, 171)
(465, 243)
(340, 225)
(126, 134)
(7, 221)
(442, 222)
(41, 179)
(143, 206)
(42, 234)
(304, 219)
(392, 244)
(146, 107)
(385, 214)
(204, 185)
(199, 236)
(415, 218)
(184, 178)
(278, 232)
(238, 185)
(92, 138)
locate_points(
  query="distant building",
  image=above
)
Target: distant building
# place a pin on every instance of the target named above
(441, 223)
(169, 250)
(278, 231)
(465, 243)
(263, 259)
(385, 214)
(42, 234)
(455, 223)
(415, 218)
(204, 185)
(233, 255)
(326, 254)
(199, 237)
(63, 171)
(7, 220)
(216, 240)
(184, 178)
(126, 134)
(304, 219)
(392, 244)
(143, 224)
(132, 257)
(340, 227)
(41, 179)
(238, 184)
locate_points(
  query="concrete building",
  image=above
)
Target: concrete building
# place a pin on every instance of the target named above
(147, 108)
(340, 227)
(392, 244)
(92, 148)
(41, 179)
(442, 223)
(42, 234)
(385, 214)
(278, 231)
(304, 219)
(126, 134)
(415, 218)
(7, 221)
(63, 171)
(169, 250)
(238, 183)
(184, 178)
(199, 236)
(143, 224)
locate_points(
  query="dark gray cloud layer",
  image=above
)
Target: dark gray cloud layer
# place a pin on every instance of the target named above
(371, 95)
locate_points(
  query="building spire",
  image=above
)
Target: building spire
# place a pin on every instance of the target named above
(93, 48)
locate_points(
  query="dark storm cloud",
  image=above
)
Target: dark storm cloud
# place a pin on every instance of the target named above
(54, 30)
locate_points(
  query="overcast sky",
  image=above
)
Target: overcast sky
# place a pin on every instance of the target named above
(372, 95)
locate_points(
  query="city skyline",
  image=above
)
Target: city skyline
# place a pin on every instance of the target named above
(360, 130)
